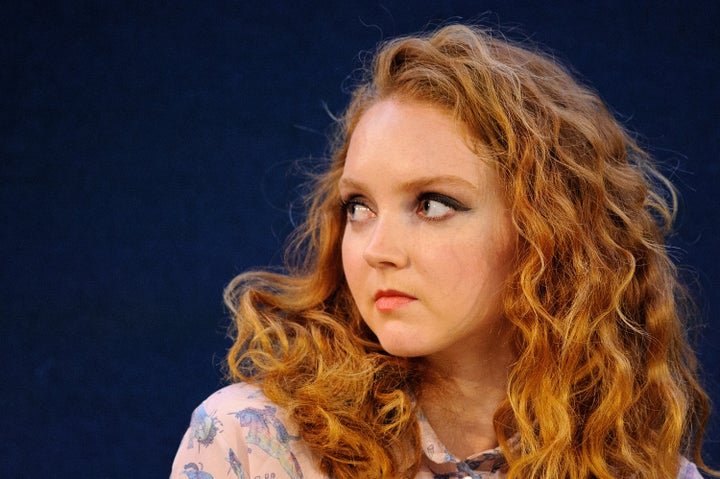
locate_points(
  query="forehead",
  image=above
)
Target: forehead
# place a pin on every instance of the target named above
(401, 137)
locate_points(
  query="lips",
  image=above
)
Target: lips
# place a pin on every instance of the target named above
(390, 300)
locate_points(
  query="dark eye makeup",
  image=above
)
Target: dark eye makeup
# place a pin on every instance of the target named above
(430, 205)
(448, 201)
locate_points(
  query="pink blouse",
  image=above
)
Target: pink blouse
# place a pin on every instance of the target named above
(238, 433)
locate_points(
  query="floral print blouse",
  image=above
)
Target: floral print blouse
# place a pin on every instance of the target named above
(238, 433)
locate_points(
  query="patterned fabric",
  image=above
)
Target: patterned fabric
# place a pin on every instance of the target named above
(238, 433)
(443, 465)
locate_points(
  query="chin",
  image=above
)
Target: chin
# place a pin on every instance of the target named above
(403, 349)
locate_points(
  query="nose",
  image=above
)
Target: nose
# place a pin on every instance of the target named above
(387, 245)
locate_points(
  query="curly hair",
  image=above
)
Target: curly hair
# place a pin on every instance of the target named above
(604, 383)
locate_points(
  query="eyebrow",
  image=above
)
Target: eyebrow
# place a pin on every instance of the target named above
(416, 183)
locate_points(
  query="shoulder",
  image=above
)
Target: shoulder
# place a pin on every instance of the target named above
(238, 428)
(244, 408)
(688, 470)
(233, 398)
(228, 411)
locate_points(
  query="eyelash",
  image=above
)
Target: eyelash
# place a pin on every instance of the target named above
(451, 203)
(351, 202)
(445, 200)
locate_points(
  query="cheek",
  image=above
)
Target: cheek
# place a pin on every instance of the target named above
(355, 271)
(480, 262)
(454, 254)
(350, 258)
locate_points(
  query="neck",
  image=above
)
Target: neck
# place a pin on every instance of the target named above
(460, 397)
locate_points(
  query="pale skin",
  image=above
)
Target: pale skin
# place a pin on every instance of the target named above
(426, 252)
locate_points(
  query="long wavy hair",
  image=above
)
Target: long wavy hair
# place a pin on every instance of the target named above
(604, 383)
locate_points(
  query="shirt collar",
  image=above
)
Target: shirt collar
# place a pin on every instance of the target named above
(444, 465)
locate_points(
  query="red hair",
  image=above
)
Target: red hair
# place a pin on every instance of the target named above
(605, 383)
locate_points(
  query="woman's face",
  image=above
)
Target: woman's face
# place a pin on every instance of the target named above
(429, 241)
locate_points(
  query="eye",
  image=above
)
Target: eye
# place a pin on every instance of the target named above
(434, 209)
(434, 206)
(356, 210)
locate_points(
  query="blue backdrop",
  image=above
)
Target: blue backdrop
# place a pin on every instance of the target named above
(146, 157)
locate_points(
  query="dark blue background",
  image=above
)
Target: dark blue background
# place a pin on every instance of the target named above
(146, 157)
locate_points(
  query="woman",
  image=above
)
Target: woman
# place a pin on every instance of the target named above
(482, 290)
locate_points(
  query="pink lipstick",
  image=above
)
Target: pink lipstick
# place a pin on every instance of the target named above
(390, 300)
